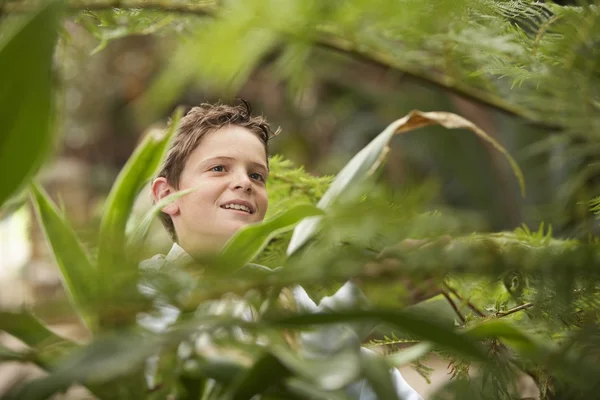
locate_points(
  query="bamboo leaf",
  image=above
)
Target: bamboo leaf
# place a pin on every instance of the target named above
(248, 242)
(139, 234)
(220, 369)
(7, 354)
(27, 328)
(308, 391)
(372, 156)
(418, 325)
(26, 96)
(77, 272)
(140, 167)
(409, 355)
(511, 334)
(379, 376)
(101, 361)
(333, 372)
(265, 372)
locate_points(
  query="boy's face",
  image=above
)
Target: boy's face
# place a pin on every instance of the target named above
(229, 166)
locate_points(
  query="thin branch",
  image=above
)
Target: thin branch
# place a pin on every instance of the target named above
(441, 81)
(514, 310)
(456, 310)
(203, 8)
(542, 31)
(324, 40)
(467, 302)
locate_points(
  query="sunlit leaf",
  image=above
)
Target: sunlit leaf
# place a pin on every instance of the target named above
(76, 270)
(140, 167)
(514, 336)
(26, 95)
(406, 356)
(27, 328)
(250, 240)
(371, 157)
(139, 234)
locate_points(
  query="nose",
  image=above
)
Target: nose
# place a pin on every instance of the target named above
(242, 181)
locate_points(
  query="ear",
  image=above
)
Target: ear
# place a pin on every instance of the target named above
(160, 189)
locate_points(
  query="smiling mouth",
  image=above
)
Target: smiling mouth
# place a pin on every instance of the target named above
(238, 207)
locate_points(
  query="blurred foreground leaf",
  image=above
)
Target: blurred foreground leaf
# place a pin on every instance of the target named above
(248, 242)
(77, 271)
(27, 328)
(417, 325)
(265, 372)
(105, 360)
(140, 167)
(26, 96)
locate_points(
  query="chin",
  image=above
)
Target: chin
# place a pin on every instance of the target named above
(234, 226)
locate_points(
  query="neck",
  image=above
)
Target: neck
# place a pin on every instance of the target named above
(201, 249)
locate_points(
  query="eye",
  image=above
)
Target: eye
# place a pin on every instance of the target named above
(258, 177)
(218, 168)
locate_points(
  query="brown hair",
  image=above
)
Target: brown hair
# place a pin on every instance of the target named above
(196, 124)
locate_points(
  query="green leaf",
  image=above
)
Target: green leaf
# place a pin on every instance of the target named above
(28, 329)
(26, 96)
(137, 237)
(218, 368)
(378, 375)
(77, 272)
(309, 391)
(104, 360)
(417, 325)
(7, 354)
(510, 333)
(248, 242)
(140, 167)
(371, 157)
(409, 355)
(266, 372)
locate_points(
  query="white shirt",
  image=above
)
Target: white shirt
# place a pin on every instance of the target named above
(319, 343)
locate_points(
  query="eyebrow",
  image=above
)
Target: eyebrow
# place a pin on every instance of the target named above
(255, 164)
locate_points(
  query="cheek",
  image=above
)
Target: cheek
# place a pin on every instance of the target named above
(264, 203)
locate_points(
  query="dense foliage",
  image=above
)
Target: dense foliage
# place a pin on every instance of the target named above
(498, 304)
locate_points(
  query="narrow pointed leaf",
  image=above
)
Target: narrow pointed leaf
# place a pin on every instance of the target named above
(265, 372)
(307, 390)
(140, 167)
(77, 272)
(379, 376)
(139, 234)
(27, 328)
(418, 325)
(26, 96)
(512, 335)
(409, 355)
(248, 242)
(371, 157)
(99, 362)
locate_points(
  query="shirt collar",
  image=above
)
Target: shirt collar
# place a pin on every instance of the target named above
(177, 255)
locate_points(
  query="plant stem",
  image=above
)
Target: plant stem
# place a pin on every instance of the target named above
(514, 310)
(467, 302)
(456, 310)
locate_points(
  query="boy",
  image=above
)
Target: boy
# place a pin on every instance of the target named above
(223, 150)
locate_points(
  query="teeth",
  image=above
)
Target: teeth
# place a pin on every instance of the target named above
(238, 207)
